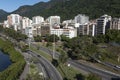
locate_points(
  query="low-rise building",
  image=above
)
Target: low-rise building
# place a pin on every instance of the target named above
(115, 24)
(28, 31)
(68, 32)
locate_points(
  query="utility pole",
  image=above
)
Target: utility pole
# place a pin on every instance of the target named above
(54, 48)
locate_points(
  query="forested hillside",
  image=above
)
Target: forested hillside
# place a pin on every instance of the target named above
(67, 9)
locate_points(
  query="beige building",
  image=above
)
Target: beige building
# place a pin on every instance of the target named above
(115, 23)
(87, 29)
(45, 29)
(36, 29)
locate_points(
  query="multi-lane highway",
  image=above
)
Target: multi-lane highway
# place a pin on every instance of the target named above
(106, 75)
(51, 71)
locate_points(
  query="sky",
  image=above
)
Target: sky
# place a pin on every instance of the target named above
(11, 5)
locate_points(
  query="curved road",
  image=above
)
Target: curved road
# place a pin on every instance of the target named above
(106, 75)
(50, 69)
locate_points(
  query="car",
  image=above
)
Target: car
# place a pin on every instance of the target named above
(38, 55)
(118, 67)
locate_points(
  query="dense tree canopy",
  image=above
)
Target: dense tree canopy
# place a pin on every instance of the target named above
(13, 34)
(52, 38)
(80, 47)
(37, 38)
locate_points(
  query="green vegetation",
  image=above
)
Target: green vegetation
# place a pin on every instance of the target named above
(23, 46)
(93, 77)
(98, 47)
(67, 9)
(38, 38)
(13, 34)
(111, 36)
(17, 59)
(64, 38)
(86, 48)
(51, 38)
(42, 53)
(80, 47)
(34, 73)
(68, 73)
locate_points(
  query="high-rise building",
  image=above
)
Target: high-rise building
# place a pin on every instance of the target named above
(26, 22)
(87, 29)
(103, 24)
(14, 21)
(45, 29)
(53, 20)
(115, 23)
(37, 19)
(83, 30)
(81, 19)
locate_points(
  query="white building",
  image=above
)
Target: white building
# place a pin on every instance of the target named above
(14, 21)
(36, 29)
(37, 19)
(26, 22)
(28, 31)
(103, 23)
(5, 24)
(86, 29)
(67, 23)
(68, 32)
(53, 20)
(81, 19)
(115, 23)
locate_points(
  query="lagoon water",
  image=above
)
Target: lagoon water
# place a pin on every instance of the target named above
(4, 61)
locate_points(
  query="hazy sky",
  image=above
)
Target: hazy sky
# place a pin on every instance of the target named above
(11, 5)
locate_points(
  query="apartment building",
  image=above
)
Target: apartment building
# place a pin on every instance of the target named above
(45, 29)
(53, 20)
(37, 19)
(29, 32)
(26, 22)
(14, 21)
(103, 24)
(81, 19)
(68, 32)
(115, 24)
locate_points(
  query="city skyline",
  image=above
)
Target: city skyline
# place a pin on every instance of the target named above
(11, 5)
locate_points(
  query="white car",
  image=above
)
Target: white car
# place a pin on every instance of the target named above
(118, 67)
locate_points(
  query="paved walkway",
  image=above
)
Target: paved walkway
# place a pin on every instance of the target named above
(25, 72)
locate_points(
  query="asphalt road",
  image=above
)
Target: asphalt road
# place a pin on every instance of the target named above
(106, 75)
(52, 73)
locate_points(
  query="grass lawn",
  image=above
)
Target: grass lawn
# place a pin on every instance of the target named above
(48, 57)
(68, 72)
(110, 53)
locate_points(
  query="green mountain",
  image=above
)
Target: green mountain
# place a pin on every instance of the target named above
(3, 14)
(67, 9)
